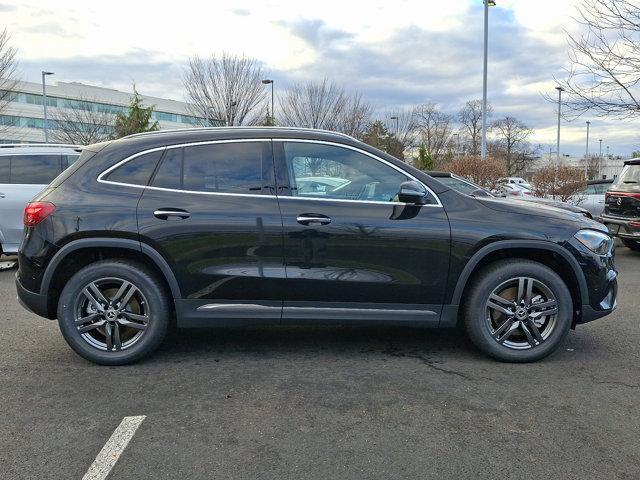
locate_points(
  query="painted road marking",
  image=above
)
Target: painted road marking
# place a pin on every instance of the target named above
(114, 447)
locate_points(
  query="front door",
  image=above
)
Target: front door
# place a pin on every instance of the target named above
(211, 211)
(352, 250)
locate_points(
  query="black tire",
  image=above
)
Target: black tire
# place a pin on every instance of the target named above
(156, 302)
(478, 316)
(632, 244)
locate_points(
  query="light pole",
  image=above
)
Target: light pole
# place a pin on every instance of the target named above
(560, 90)
(487, 4)
(397, 127)
(607, 151)
(44, 104)
(600, 161)
(600, 146)
(586, 154)
(267, 82)
(457, 135)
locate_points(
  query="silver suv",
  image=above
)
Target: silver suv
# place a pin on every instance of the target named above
(25, 170)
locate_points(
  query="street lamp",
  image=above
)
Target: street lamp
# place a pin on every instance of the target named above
(397, 128)
(560, 90)
(44, 104)
(487, 4)
(457, 135)
(267, 82)
(600, 147)
(586, 153)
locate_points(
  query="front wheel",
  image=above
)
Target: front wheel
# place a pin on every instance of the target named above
(113, 312)
(517, 310)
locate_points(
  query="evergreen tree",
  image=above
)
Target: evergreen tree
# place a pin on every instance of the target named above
(137, 120)
(425, 161)
(377, 135)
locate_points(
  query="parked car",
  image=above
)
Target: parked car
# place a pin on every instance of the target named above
(207, 226)
(516, 190)
(591, 197)
(465, 186)
(622, 205)
(516, 181)
(25, 170)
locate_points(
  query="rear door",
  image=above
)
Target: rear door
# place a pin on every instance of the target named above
(25, 177)
(211, 211)
(352, 250)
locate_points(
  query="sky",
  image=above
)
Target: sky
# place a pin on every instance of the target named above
(396, 53)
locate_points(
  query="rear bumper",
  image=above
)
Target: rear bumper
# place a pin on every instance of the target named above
(621, 227)
(34, 302)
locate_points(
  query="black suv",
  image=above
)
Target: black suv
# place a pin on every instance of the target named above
(622, 206)
(237, 226)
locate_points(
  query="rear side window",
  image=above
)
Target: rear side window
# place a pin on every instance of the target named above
(34, 169)
(169, 174)
(136, 171)
(224, 167)
(218, 168)
(5, 163)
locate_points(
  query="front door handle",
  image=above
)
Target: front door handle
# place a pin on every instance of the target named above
(2, 195)
(171, 214)
(313, 219)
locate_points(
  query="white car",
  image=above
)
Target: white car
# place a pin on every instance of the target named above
(516, 190)
(25, 170)
(516, 181)
(591, 197)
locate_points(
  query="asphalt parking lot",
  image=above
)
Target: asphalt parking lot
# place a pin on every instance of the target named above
(326, 402)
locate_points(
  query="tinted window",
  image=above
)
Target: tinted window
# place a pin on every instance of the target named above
(4, 169)
(34, 169)
(327, 171)
(224, 167)
(461, 186)
(136, 171)
(169, 173)
(68, 160)
(601, 188)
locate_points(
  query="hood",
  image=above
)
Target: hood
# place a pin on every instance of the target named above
(527, 207)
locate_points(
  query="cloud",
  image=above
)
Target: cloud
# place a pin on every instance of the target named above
(50, 28)
(242, 12)
(7, 8)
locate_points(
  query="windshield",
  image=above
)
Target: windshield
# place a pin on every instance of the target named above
(461, 186)
(630, 175)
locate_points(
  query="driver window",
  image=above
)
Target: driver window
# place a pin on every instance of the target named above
(332, 172)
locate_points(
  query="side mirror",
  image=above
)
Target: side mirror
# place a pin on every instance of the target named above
(412, 192)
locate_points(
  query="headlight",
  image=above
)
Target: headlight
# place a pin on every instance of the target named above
(597, 242)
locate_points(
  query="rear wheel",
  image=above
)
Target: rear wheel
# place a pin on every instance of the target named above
(517, 310)
(113, 312)
(632, 244)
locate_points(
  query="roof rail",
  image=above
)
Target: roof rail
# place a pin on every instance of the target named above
(219, 129)
(18, 145)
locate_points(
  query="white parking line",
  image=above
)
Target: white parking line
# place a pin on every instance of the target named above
(114, 447)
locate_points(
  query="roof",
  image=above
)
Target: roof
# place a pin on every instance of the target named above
(600, 181)
(435, 173)
(239, 128)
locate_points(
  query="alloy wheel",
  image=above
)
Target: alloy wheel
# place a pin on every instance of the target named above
(521, 313)
(111, 314)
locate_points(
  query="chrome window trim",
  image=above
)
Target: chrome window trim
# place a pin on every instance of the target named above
(101, 176)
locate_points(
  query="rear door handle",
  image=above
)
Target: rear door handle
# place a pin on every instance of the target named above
(2, 195)
(169, 213)
(313, 219)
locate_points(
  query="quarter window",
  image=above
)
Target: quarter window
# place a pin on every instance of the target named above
(169, 174)
(332, 172)
(35, 169)
(136, 171)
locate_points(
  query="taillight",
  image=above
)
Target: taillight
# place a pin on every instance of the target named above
(622, 194)
(35, 212)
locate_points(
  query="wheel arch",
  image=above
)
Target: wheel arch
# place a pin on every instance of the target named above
(549, 254)
(78, 253)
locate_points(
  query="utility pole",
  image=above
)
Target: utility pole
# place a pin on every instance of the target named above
(586, 155)
(487, 4)
(560, 90)
(44, 104)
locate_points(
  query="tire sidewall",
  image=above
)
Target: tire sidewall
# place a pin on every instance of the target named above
(143, 280)
(488, 280)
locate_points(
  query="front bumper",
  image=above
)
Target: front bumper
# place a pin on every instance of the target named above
(34, 302)
(622, 227)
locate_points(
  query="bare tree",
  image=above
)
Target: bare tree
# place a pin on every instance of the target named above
(486, 173)
(512, 140)
(324, 105)
(434, 128)
(8, 65)
(470, 118)
(355, 116)
(560, 182)
(226, 89)
(83, 123)
(406, 126)
(605, 60)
